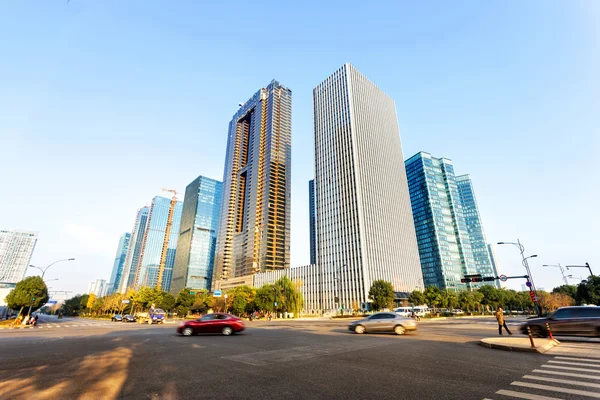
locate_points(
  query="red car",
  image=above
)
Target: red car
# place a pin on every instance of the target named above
(212, 323)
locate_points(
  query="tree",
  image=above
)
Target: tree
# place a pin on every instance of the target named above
(588, 291)
(382, 295)
(167, 301)
(90, 301)
(242, 296)
(184, 301)
(289, 298)
(466, 300)
(31, 291)
(491, 296)
(569, 290)
(416, 298)
(265, 298)
(202, 301)
(432, 296)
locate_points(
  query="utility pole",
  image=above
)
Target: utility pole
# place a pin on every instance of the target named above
(562, 271)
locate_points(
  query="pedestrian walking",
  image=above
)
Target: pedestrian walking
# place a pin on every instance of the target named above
(501, 322)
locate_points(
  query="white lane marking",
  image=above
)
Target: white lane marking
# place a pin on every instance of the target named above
(571, 368)
(556, 389)
(590, 360)
(527, 396)
(543, 371)
(574, 363)
(567, 381)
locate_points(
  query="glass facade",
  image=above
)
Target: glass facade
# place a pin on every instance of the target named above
(147, 272)
(195, 256)
(481, 253)
(312, 220)
(440, 223)
(117, 271)
(254, 231)
(135, 248)
(16, 249)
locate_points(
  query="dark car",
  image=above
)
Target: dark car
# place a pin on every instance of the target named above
(117, 317)
(212, 323)
(128, 318)
(384, 322)
(567, 321)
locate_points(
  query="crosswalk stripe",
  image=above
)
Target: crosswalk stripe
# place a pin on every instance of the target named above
(527, 396)
(567, 381)
(590, 360)
(574, 363)
(570, 368)
(561, 373)
(556, 389)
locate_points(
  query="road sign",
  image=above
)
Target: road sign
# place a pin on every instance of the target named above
(51, 302)
(125, 301)
(192, 292)
(503, 278)
(528, 284)
(217, 293)
(275, 304)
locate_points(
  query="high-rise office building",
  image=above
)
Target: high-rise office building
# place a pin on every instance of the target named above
(254, 231)
(16, 249)
(135, 248)
(365, 228)
(195, 256)
(312, 220)
(444, 244)
(495, 267)
(479, 247)
(98, 287)
(117, 271)
(157, 255)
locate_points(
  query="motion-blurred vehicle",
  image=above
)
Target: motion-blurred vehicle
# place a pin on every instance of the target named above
(117, 318)
(223, 323)
(128, 318)
(566, 321)
(156, 316)
(384, 322)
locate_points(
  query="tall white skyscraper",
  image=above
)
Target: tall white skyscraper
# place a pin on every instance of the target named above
(98, 287)
(16, 249)
(365, 228)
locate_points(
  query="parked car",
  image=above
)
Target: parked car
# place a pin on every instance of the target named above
(384, 322)
(117, 317)
(566, 321)
(128, 318)
(226, 324)
(458, 312)
(404, 311)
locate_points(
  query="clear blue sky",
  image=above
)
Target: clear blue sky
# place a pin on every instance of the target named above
(103, 103)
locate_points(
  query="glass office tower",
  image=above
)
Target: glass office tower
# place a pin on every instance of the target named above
(312, 220)
(195, 256)
(147, 272)
(117, 271)
(442, 233)
(135, 248)
(16, 249)
(254, 231)
(364, 222)
(495, 266)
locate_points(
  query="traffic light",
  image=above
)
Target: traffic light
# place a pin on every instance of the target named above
(489, 278)
(476, 279)
(533, 297)
(465, 280)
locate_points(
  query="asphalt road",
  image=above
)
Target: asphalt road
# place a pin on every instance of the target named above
(92, 359)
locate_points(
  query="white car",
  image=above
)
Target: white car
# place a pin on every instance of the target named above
(458, 312)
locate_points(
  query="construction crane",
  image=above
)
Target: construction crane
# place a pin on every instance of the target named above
(163, 256)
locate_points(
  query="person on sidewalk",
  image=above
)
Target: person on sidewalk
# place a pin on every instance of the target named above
(501, 322)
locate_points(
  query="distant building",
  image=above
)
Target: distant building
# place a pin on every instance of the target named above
(157, 248)
(440, 223)
(195, 256)
(117, 271)
(135, 248)
(364, 226)
(98, 287)
(494, 261)
(254, 232)
(5, 289)
(312, 220)
(16, 249)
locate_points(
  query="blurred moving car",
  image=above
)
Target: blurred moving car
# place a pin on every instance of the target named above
(566, 321)
(128, 318)
(225, 324)
(117, 317)
(384, 322)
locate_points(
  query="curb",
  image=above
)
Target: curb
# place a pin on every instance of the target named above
(507, 347)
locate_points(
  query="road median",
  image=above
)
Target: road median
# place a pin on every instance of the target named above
(521, 344)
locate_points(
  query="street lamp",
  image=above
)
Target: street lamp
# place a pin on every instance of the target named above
(575, 277)
(46, 269)
(526, 265)
(587, 265)
(562, 271)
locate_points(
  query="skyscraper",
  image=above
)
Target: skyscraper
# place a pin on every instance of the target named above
(135, 248)
(479, 248)
(312, 220)
(195, 256)
(444, 244)
(254, 232)
(98, 287)
(365, 229)
(16, 249)
(117, 271)
(157, 247)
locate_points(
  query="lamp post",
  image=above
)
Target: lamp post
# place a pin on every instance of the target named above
(587, 265)
(526, 265)
(338, 291)
(562, 271)
(46, 269)
(575, 277)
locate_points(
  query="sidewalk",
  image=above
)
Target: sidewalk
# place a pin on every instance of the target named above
(519, 344)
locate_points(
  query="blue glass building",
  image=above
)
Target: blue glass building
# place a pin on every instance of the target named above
(312, 220)
(195, 257)
(481, 253)
(117, 271)
(440, 224)
(135, 248)
(147, 273)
